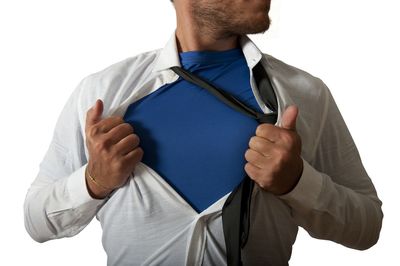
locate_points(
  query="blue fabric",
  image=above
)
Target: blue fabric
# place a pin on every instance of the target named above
(192, 139)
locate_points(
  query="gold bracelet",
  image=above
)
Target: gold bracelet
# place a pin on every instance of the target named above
(95, 182)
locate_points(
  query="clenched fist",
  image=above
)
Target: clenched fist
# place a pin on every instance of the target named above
(273, 159)
(113, 151)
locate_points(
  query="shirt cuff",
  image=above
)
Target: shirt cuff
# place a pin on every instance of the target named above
(78, 192)
(305, 194)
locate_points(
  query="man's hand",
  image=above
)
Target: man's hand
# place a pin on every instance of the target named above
(113, 151)
(273, 160)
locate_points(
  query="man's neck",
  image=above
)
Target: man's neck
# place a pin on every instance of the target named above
(197, 36)
(189, 39)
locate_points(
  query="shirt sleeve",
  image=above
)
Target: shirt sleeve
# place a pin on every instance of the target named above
(335, 198)
(57, 203)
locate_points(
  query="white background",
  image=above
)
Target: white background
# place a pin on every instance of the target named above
(47, 47)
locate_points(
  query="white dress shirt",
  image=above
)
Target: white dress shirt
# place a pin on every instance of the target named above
(146, 222)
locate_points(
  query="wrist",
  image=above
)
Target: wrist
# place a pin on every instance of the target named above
(95, 190)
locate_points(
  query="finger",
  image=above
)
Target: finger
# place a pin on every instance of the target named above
(119, 132)
(93, 115)
(268, 131)
(109, 123)
(256, 158)
(127, 144)
(134, 156)
(261, 145)
(289, 117)
(252, 170)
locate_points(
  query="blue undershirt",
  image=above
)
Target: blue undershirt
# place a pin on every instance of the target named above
(189, 137)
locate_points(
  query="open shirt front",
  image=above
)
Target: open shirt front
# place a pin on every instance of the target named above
(146, 222)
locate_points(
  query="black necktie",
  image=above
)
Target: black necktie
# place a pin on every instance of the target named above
(236, 210)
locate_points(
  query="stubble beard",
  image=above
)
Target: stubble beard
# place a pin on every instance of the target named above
(212, 21)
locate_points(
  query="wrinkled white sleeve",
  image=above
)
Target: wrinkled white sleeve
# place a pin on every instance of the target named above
(335, 198)
(57, 203)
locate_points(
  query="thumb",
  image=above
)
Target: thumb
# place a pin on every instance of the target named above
(93, 115)
(289, 117)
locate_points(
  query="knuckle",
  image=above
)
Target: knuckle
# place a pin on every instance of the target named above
(136, 140)
(252, 141)
(140, 152)
(129, 124)
(90, 140)
(267, 183)
(247, 168)
(128, 127)
(114, 153)
(102, 144)
(113, 120)
(137, 156)
(119, 166)
(99, 146)
(117, 119)
(93, 130)
(132, 141)
(261, 130)
(247, 154)
(263, 185)
(251, 170)
(259, 143)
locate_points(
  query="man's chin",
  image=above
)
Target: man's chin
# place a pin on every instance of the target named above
(260, 30)
(255, 28)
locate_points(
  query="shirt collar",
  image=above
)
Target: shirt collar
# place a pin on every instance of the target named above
(169, 56)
